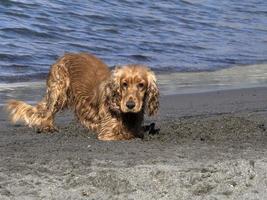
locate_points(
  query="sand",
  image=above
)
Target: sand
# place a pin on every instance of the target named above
(211, 146)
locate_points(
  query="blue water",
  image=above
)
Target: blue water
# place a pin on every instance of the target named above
(167, 35)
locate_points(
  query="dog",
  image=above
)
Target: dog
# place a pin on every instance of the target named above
(111, 103)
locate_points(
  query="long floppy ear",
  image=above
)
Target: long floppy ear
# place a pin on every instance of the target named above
(112, 93)
(152, 94)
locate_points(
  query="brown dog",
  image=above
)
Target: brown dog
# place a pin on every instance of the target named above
(112, 103)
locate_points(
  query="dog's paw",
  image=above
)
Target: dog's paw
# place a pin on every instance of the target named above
(151, 129)
(47, 129)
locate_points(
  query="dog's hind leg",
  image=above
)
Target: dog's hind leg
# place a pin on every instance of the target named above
(42, 115)
(56, 96)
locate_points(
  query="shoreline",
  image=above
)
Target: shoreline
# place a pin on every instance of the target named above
(211, 145)
(32, 92)
(233, 78)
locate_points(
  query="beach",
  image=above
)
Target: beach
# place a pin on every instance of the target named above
(210, 61)
(211, 145)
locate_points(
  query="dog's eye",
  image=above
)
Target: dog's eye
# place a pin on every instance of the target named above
(124, 85)
(141, 85)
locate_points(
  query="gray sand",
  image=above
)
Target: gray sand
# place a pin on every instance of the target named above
(211, 146)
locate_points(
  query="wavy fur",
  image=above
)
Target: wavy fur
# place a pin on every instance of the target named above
(83, 83)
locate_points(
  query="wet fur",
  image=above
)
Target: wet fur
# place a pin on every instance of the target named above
(83, 83)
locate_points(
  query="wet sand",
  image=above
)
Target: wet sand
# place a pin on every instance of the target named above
(211, 146)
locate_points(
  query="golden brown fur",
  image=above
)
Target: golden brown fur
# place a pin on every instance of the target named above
(112, 103)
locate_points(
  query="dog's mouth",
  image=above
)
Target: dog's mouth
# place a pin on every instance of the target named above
(132, 111)
(127, 110)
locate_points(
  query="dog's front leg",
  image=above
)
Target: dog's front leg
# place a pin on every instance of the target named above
(112, 137)
(112, 129)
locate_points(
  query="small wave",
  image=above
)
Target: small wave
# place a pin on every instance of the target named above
(15, 85)
(140, 58)
(15, 3)
(17, 14)
(23, 77)
(12, 57)
(111, 30)
(25, 32)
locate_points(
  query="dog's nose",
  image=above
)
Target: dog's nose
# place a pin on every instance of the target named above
(130, 104)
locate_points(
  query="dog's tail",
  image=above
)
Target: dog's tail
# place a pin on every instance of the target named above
(19, 111)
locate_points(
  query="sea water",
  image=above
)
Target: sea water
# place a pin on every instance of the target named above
(187, 43)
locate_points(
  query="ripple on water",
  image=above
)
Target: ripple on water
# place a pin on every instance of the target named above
(169, 36)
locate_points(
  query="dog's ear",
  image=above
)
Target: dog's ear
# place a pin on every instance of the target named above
(152, 94)
(112, 93)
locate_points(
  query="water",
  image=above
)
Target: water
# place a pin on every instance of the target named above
(167, 35)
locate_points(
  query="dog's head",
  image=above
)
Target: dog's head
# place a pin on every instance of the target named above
(131, 89)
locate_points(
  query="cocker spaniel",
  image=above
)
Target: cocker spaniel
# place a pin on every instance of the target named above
(111, 103)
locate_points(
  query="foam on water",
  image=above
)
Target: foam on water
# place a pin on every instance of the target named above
(172, 83)
(231, 78)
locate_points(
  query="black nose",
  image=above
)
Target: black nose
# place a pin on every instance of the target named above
(130, 104)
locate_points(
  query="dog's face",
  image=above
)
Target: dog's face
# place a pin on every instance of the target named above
(137, 89)
(133, 85)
